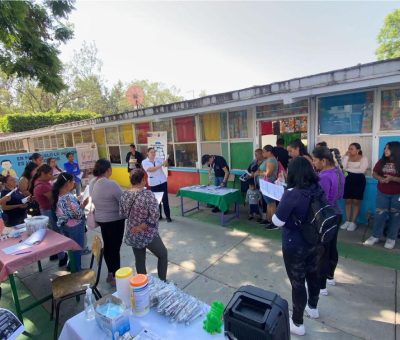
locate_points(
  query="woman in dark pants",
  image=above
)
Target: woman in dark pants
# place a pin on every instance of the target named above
(157, 179)
(140, 207)
(105, 195)
(300, 257)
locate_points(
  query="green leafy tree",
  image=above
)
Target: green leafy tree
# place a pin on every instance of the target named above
(30, 33)
(389, 37)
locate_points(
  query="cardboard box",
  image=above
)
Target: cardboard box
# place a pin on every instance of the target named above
(118, 323)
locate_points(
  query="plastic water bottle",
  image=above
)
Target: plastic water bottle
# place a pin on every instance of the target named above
(89, 304)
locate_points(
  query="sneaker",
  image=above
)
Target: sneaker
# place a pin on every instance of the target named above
(345, 225)
(296, 330)
(312, 313)
(250, 218)
(169, 219)
(215, 210)
(352, 226)
(389, 244)
(271, 226)
(323, 292)
(371, 241)
(331, 282)
(160, 218)
(264, 222)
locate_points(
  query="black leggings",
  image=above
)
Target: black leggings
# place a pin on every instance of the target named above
(157, 247)
(112, 233)
(163, 188)
(301, 266)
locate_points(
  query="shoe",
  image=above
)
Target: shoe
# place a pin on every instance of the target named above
(352, 226)
(312, 313)
(331, 282)
(296, 330)
(371, 241)
(264, 222)
(53, 257)
(250, 218)
(389, 244)
(169, 219)
(323, 292)
(215, 210)
(259, 220)
(345, 225)
(160, 218)
(271, 226)
(63, 261)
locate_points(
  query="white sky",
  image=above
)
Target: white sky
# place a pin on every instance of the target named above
(223, 46)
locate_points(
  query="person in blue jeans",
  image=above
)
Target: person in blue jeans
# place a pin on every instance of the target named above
(387, 172)
(72, 168)
(70, 213)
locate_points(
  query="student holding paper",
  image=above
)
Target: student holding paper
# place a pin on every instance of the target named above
(73, 168)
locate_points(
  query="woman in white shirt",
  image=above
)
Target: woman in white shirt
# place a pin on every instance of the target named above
(157, 179)
(355, 164)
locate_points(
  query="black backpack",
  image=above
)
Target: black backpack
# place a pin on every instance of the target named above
(321, 223)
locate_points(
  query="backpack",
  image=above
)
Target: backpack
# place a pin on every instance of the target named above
(321, 223)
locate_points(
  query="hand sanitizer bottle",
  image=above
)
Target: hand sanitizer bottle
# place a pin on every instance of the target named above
(89, 304)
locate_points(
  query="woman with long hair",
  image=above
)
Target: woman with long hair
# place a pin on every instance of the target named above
(299, 256)
(140, 208)
(105, 195)
(387, 172)
(332, 182)
(25, 179)
(355, 164)
(296, 148)
(70, 212)
(56, 170)
(41, 189)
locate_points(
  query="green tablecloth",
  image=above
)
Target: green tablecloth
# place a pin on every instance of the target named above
(222, 199)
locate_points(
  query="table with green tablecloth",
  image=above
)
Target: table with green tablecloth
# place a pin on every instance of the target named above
(219, 197)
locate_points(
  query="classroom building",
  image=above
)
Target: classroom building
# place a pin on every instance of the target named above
(356, 104)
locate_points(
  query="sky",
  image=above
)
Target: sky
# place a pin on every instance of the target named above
(225, 46)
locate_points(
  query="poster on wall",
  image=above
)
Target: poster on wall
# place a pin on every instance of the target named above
(287, 125)
(14, 164)
(300, 124)
(390, 112)
(158, 141)
(87, 157)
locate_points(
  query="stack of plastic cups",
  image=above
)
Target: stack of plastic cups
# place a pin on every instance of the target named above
(122, 278)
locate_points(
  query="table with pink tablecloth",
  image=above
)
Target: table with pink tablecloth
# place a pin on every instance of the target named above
(52, 243)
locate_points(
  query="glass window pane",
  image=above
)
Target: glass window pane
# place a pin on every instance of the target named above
(46, 142)
(211, 149)
(171, 157)
(102, 151)
(112, 135)
(390, 110)
(141, 132)
(77, 137)
(53, 142)
(238, 127)
(87, 136)
(100, 137)
(279, 109)
(115, 156)
(186, 155)
(346, 114)
(210, 125)
(40, 143)
(126, 134)
(143, 149)
(60, 141)
(124, 151)
(164, 125)
(184, 129)
(68, 139)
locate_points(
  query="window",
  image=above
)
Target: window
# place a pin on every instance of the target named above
(124, 151)
(238, 125)
(213, 126)
(186, 155)
(77, 137)
(279, 109)
(68, 139)
(40, 143)
(46, 142)
(164, 125)
(390, 110)
(184, 130)
(102, 149)
(346, 114)
(53, 142)
(87, 136)
(100, 137)
(115, 156)
(112, 135)
(60, 141)
(141, 132)
(126, 134)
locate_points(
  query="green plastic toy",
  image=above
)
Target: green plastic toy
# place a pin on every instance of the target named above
(213, 322)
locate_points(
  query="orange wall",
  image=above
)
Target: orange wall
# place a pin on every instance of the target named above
(179, 179)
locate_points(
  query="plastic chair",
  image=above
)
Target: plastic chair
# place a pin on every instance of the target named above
(72, 285)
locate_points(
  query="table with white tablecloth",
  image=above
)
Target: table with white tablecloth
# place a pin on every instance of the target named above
(78, 328)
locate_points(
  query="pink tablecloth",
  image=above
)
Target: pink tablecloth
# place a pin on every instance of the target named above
(52, 243)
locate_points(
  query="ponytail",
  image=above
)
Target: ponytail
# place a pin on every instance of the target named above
(338, 157)
(43, 169)
(62, 179)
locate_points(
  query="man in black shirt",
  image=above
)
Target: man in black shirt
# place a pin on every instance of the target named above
(281, 153)
(134, 158)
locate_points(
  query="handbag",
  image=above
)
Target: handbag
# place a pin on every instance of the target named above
(90, 219)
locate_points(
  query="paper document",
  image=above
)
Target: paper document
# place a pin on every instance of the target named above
(10, 326)
(80, 175)
(86, 193)
(35, 238)
(159, 196)
(271, 190)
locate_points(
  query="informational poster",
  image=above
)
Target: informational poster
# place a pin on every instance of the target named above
(14, 164)
(87, 157)
(10, 326)
(159, 141)
(274, 191)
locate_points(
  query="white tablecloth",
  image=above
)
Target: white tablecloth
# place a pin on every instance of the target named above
(78, 328)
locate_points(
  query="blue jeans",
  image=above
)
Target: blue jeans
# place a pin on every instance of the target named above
(53, 226)
(218, 181)
(77, 234)
(387, 210)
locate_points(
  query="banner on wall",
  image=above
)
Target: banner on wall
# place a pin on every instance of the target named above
(14, 164)
(87, 157)
(159, 141)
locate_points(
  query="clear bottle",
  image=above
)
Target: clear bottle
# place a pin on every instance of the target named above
(89, 304)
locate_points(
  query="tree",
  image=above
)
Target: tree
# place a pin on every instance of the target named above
(30, 33)
(389, 37)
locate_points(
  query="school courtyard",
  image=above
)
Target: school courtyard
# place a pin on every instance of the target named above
(210, 262)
